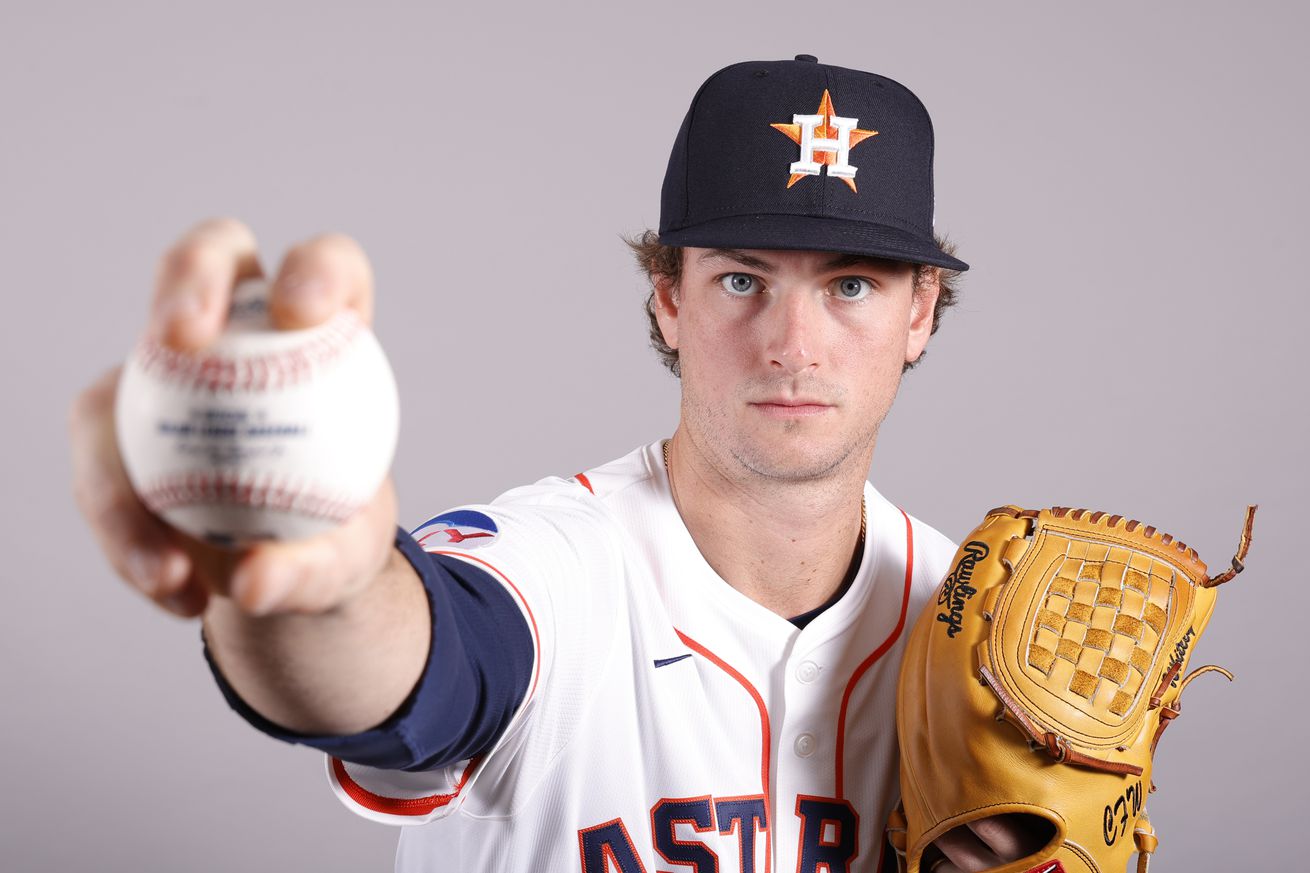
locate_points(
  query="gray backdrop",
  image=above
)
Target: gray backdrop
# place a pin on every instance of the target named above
(1126, 181)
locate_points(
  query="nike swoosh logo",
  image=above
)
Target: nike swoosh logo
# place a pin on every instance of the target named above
(664, 662)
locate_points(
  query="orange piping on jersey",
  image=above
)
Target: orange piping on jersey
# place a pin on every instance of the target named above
(536, 638)
(877, 653)
(765, 734)
(585, 482)
(397, 805)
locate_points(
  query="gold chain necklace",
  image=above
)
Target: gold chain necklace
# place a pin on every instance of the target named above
(864, 514)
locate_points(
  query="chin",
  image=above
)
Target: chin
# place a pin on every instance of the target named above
(794, 457)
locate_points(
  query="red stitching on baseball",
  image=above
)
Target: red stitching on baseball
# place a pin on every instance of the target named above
(231, 489)
(266, 372)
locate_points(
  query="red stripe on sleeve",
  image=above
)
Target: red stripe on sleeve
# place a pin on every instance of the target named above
(412, 806)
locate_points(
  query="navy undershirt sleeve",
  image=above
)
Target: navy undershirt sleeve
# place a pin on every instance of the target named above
(476, 675)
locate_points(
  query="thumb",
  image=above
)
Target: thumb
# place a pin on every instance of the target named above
(318, 574)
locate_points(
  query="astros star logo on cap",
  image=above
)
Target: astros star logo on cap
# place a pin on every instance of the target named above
(826, 139)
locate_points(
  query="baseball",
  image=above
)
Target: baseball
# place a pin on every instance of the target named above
(267, 434)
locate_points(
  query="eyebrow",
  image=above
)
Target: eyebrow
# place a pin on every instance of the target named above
(739, 256)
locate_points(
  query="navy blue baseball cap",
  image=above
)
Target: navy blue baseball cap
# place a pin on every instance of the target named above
(802, 155)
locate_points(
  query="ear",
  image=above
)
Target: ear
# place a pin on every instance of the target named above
(923, 305)
(666, 310)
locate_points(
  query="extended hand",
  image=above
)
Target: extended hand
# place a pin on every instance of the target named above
(316, 280)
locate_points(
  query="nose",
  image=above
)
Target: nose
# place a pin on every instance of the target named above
(794, 332)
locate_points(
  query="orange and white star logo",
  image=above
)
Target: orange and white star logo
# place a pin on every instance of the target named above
(826, 139)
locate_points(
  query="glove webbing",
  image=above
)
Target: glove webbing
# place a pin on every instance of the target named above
(1055, 745)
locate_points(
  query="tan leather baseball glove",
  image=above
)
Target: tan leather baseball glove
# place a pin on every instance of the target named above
(1041, 680)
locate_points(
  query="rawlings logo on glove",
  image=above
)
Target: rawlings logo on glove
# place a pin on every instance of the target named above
(956, 590)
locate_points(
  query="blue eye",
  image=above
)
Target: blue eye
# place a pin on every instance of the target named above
(739, 284)
(853, 288)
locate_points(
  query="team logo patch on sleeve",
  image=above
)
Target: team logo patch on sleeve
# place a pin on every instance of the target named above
(461, 528)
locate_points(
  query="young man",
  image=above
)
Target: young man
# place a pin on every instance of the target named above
(681, 660)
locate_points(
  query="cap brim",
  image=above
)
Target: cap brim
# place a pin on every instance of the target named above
(812, 233)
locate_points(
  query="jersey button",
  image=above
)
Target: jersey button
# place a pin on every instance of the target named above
(805, 745)
(807, 672)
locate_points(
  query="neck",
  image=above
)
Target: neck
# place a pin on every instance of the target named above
(788, 545)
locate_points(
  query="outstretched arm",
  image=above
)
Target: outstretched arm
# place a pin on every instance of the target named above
(321, 636)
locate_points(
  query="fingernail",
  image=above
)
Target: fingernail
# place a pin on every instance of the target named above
(301, 289)
(184, 302)
(181, 304)
(144, 568)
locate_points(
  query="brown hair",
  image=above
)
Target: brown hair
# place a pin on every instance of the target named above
(663, 263)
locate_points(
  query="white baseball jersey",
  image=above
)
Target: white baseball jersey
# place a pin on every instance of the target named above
(671, 723)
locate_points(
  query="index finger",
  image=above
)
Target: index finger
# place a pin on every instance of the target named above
(318, 279)
(193, 285)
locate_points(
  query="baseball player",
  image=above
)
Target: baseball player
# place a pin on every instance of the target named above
(681, 660)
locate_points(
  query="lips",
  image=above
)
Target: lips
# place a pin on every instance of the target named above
(791, 407)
